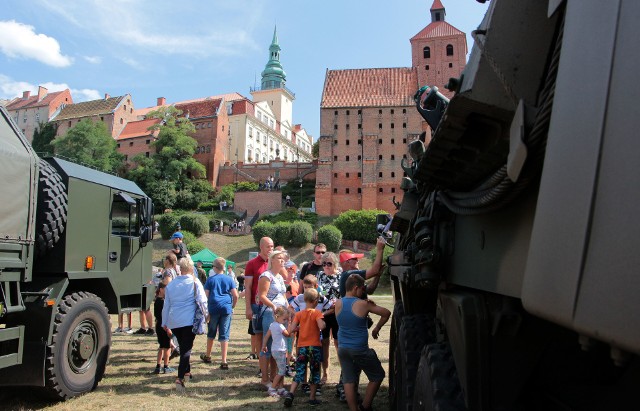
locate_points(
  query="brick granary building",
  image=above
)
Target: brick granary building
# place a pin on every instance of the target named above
(367, 118)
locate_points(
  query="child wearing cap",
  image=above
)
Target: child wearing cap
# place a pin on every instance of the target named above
(179, 248)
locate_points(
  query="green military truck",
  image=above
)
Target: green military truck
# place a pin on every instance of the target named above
(72, 251)
(516, 269)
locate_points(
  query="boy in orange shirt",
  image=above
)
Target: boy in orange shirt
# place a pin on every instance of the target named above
(309, 346)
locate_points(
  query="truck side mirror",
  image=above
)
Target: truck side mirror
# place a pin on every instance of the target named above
(146, 220)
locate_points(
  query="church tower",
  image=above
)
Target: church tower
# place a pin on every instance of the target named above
(273, 90)
(439, 51)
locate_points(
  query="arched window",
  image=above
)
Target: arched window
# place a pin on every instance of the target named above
(426, 52)
(449, 50)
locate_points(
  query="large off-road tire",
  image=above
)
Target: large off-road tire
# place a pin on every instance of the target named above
(394, 363)
(437, 384)
(77, 357)
(416, 331)
(51, 211)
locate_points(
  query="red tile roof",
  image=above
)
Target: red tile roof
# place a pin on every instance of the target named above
(437, 5)
(89, 108)
(138, 128)
(437, 29)
(32, 102)
(373, 87)
(203, 108)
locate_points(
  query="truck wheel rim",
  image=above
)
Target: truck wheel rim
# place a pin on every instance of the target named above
(82, 347)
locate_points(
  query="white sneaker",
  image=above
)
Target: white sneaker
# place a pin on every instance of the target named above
(127, 330)
(268, 385)
(273, 393)
(117, 330)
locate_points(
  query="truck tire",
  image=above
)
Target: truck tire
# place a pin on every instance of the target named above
(437, 384)
(416, 331)
(394, 364)
(51, 216)
(78, 354)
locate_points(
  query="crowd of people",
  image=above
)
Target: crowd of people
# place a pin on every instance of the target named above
(293, 314)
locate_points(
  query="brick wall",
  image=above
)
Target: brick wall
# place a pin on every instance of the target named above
(133, 146)
(266, 202)
(439, 72)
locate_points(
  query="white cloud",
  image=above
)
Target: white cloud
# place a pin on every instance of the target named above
(93, 59)
(19, 40)
(10, 89)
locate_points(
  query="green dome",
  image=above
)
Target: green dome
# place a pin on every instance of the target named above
(273, 75)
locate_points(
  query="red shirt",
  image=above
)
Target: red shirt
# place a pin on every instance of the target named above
(253, 269)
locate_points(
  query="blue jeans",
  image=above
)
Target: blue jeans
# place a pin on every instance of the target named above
(267, 319)
(221, 323)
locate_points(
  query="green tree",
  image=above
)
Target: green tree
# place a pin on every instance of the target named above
(89, 143)
(44, 134)
(315, 149)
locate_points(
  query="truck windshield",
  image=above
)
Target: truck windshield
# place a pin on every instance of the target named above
(124, 216)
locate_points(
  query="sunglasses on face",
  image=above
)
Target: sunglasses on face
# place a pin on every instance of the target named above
(319, 252)
(327, 264)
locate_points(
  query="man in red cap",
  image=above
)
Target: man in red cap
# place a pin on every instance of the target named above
(349, 264)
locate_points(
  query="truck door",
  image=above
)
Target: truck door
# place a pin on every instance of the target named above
(125, 255)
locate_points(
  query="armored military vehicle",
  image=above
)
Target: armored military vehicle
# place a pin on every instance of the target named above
(516, 268)
(71, 252)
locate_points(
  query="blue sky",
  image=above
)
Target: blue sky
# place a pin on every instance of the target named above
(190, 49)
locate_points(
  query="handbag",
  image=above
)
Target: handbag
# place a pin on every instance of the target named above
(200, 316)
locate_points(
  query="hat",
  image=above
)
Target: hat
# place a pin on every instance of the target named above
(289, 264)
(347, 255)
(176, 235)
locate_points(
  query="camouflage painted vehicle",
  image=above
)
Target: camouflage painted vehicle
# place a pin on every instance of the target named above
(72, 251)
(515, 272)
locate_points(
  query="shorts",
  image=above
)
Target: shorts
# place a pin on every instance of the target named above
(267, 319)
(332, 325)
(163, 339)
(220, 323)
(256, 325)
(281, 361)
(312, 356)
(353, 361)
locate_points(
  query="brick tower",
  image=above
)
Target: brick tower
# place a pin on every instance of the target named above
(438, 51)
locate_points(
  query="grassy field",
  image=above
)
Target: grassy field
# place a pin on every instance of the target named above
(128, 384)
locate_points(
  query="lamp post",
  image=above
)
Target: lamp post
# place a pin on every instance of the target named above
(236, 179)
(298, 172)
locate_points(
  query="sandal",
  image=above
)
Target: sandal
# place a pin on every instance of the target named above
(205, 358)
(180, 385)
(224, 366)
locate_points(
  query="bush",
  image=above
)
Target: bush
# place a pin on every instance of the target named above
(188, 238)
(301, 233)
(282, 234)
(358, 225)
(262, 229)
(167, 224)
(331, 237)
(208, 205)
(195, 246)
(198, 224)
(291, 215)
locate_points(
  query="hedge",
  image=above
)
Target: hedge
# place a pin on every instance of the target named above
(198, 224)
(331, 236)
(262, 229)
(282, 234)
(301, 233)
(358, 225)
(167, 224)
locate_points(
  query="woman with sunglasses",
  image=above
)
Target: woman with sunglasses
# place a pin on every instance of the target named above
(329, 282)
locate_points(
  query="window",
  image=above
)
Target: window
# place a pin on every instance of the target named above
(438, 16)
(450, 65)
(404, 111)
(346, 191)
(393, 156)
(335, 126)
(359, 112)
(404, 141)
(393, 189)
(335, 158)
(393, 174)
(335, 191)
(404, 156)
(359, 175)
(124, 215)
(335, 175)
(347, 175)
(359, 126)
(380, 126)
(121, 121)
(379, 111)
(347, 142)
(118, 145)
(426, 67)
(380, 174)
(404, 125)
(449, 50)
(126, 157)
(146, 154)
(380, 157)
(393, 141)
(222, 128)
(346, 158)
(392, 125)
(335, 113)
(379, 141)
(69, 123)
(347, 126)
(347, 112)
(392, 111)
(130, 143)
(359, 191)
(250, 132)
(426, 53)
(359, 158)
(380, 190)
(148, 141)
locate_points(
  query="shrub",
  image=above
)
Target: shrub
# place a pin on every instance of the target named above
(291, 215)
(331, 237)
(167, 224)
(208, 205)
(198, 224)
(282, 234)
(358, 225)
(262, 229)
(301, 233)
(188, 238)
(195, 246)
